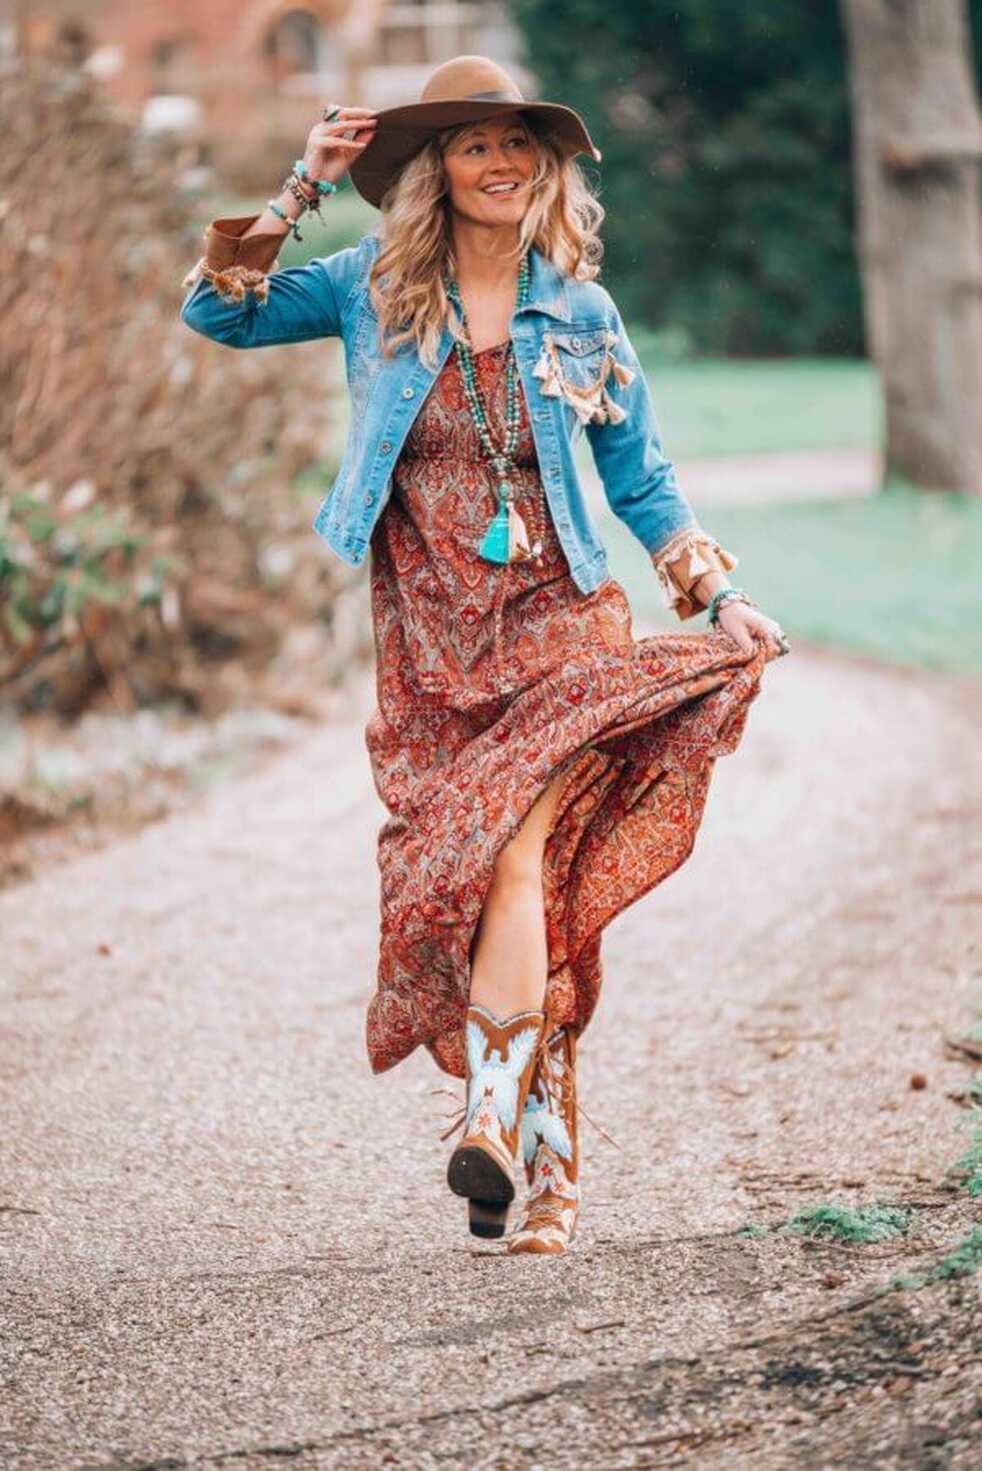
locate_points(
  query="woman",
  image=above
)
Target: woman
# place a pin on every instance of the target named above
(541, 768)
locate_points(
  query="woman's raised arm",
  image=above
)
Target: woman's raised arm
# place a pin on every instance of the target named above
(234, 299)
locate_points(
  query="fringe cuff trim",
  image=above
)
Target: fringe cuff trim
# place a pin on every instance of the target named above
(589, 401)
(231, 282)
(680, 563)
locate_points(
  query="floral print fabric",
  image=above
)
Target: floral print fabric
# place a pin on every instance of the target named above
(491, 679)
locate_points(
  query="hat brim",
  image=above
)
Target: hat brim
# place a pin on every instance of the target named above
(401, 132)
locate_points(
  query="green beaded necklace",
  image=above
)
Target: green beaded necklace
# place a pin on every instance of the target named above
(506, 539)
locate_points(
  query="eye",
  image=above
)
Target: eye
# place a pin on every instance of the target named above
(518, 138)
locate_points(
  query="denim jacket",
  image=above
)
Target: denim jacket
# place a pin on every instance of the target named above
(575, 363)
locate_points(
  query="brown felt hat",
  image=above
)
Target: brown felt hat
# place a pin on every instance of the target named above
(460, 91)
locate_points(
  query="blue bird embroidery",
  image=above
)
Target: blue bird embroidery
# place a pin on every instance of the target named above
(491, 1076)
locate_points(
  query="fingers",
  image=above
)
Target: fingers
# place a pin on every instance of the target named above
(352, 111)
(776, 643)
(329, 135)
(363, 117)
(746, 635)
(342, 143)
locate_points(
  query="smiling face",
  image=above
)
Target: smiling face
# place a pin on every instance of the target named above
(488, 167)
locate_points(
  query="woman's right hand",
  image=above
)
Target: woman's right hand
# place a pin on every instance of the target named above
(327, 154)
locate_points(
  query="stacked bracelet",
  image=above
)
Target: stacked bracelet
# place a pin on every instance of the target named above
(323, 186)
(727, 594)
(272, 204)
(299, 183)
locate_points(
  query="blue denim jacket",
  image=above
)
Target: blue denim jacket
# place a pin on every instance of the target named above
(572, 353)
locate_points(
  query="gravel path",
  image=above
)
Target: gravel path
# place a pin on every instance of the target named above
(225, 1242)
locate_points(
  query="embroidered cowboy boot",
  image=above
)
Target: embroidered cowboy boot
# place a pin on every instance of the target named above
(500, 1062)
(550, 1148)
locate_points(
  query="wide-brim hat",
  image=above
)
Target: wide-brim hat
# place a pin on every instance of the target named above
(462, 90)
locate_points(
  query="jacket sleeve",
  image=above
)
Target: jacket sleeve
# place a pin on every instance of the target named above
(235, 300)
(640, 484)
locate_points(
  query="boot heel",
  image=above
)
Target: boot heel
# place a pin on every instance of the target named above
(487, 1218)
(473, 1173)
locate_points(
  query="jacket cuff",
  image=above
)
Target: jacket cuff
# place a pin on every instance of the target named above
(235, 265)
(682, 561)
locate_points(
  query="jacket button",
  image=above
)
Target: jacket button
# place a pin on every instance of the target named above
(385, 446)
(574, 342)
(408, 392)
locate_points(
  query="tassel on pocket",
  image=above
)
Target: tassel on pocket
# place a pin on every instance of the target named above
(590, 401)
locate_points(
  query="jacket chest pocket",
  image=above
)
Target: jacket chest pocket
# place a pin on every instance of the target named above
(580, 354)
(575, 366)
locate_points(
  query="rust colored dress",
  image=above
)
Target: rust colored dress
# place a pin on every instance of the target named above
(491, 679)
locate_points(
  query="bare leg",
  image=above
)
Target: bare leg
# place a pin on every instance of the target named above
(510, 959)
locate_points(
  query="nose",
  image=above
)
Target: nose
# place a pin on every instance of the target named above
(499, 156)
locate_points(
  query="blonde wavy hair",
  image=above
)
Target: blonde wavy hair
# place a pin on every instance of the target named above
(562, 222)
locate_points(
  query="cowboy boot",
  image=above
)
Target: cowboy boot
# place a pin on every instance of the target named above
(500, 1062)
(550, 1148)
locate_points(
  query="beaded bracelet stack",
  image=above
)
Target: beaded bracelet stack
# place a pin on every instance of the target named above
(306, 191)
(727, 594)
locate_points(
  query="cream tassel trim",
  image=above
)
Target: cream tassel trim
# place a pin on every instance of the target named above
(519, 547)
(591, 402)
(680, 563)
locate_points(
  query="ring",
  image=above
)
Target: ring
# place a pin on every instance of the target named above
(329, 114)
(782, 643)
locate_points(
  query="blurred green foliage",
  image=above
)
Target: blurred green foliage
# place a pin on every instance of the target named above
(60, 567)
(730, 124)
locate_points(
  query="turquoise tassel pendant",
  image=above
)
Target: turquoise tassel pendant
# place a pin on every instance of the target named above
(494, 546)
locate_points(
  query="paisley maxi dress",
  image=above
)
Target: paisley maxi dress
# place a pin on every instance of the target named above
(491, 679)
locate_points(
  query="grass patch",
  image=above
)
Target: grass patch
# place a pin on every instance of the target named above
(963, 1260)
(858, 1225)
(710, 407)
(968, 1168)
(862, 1225)
(892, 576)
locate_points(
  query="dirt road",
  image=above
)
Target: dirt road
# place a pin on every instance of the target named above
(225, 1243)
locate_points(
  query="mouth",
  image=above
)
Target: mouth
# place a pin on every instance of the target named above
(500, 190)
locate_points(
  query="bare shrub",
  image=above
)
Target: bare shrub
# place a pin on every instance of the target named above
(153, 542)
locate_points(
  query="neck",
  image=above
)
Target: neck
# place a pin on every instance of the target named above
(485, 255)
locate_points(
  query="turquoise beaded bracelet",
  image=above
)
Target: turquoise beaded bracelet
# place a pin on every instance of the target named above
(718, 598)
(323, 186)
(293, 224)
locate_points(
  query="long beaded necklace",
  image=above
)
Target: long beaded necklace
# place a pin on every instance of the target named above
(506, 538)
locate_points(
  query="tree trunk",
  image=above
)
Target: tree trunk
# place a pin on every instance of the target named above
(917, 143)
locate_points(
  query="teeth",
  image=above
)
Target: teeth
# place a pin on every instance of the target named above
(500, 188)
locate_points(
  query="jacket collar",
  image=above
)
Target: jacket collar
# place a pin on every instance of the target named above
(547, 287)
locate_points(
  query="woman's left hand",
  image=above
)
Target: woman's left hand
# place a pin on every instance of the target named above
(745, 624)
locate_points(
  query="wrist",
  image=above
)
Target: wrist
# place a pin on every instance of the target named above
(316, 185)
(722, 597)
(708, 585)
(289, 202)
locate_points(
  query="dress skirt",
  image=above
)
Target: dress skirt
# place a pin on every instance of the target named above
(491, 680)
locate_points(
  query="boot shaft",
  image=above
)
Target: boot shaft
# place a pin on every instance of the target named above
(549, 1122)
(501, 1059)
